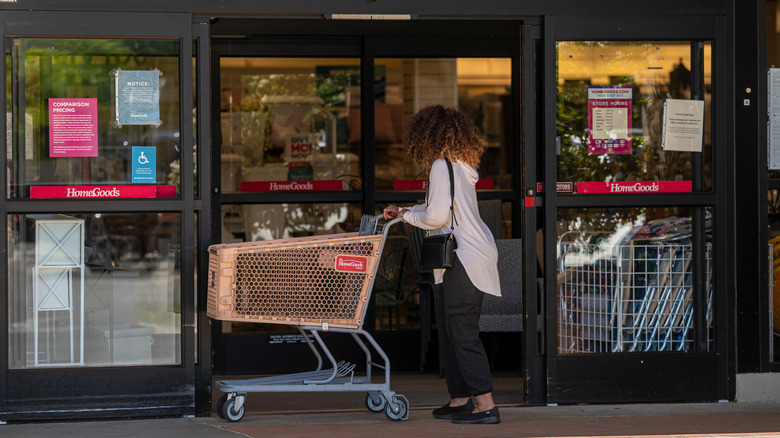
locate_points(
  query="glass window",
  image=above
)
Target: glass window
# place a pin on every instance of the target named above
(480, 87)
(94, 290)
(287, 120)
(610, 115)
(625, 280)
(773, 210)
(94, 118)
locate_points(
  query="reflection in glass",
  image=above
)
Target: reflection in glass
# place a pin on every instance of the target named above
(480, 87)
(78, 69)
(289, 119)
(94, 290)
(625, 280)
(653, 72)
(773, 212)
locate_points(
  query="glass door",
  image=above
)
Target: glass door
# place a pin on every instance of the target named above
(99, 214)
(311, 138)
(633, 225)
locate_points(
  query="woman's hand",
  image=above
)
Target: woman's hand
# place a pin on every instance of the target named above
(392, 212)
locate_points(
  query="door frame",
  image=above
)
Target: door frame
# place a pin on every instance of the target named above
(82, 392)
(596, 377)
(367, 41)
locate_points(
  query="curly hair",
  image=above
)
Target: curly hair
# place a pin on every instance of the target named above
(438, 132)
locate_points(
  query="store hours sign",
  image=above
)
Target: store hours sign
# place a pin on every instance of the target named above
(137, 97)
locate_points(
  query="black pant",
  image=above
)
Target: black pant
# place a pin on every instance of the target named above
(458, 304)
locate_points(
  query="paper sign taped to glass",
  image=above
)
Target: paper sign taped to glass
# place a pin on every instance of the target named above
(683, 125)
(137, 97)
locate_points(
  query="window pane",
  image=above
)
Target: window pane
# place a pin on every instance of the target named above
(625, 280)
(480, 87)
(70, 132)
(94, 290)
(773, 210)
(286, 120)
(610, 113)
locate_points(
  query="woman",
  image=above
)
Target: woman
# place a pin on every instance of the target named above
(436, 134)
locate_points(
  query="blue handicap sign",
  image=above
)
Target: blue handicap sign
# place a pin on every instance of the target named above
(144, 164)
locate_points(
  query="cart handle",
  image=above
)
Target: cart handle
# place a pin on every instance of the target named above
(387, 224)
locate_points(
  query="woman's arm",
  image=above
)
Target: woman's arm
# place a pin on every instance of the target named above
(437, 213)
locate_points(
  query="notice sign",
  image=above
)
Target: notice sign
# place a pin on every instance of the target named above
(137, 97)
(683, 125)
(298, 148)
(773, 126)
(609, 120)
(144, 164)
(73, 128)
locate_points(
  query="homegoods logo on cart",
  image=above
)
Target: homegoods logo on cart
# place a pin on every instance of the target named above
(345, 263)
(293, 185)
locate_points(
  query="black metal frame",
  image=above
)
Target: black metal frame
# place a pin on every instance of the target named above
(366, 42)
(698, 375)
(126, 391)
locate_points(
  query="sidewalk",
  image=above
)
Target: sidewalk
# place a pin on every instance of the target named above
(640, 420)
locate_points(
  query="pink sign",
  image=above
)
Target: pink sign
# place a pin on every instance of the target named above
(422, 184)
(73, 127)
(101, 192)
(634, 187)
(609, 120)
(292, 186)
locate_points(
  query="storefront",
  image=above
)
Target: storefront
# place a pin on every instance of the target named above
(137, 139)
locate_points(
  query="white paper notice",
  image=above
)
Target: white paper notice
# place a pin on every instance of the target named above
(773, 108)
(683, 125)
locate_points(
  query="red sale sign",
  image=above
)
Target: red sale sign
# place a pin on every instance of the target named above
(634, 187)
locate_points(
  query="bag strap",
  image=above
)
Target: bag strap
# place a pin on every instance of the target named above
(453, 220)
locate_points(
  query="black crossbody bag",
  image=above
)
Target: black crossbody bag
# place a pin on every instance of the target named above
(438, 251)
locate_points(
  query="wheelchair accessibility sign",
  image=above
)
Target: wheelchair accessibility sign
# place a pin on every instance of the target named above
(144, 164)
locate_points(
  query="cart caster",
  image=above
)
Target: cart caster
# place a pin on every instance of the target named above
(220, 405)
(229, 413)
(375, 402)
(397, 409)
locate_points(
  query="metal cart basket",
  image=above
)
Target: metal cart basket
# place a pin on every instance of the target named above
(629, 295)
(317, 284)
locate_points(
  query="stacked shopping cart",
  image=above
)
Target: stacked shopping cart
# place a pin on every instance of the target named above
(619, 294)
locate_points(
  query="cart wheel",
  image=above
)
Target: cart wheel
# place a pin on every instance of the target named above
(375, 402)
(220, 405)
(229, 414)
(398, 412)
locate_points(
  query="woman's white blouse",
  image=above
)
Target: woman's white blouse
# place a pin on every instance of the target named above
(476, 247)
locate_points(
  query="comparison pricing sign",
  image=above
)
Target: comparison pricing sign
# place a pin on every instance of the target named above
(73, 127)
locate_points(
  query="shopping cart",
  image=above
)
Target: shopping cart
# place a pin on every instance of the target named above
(317, 284)
(624, 295)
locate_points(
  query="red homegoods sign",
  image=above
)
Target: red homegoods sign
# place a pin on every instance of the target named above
(345, 263)
(422, 184)
(101, 192)
(634, 187)
(291, 186)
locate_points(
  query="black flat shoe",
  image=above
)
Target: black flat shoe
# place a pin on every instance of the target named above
(446, 412)
(485, 417)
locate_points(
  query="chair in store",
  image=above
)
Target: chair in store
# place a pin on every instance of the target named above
(505, 313)
(389, 281)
